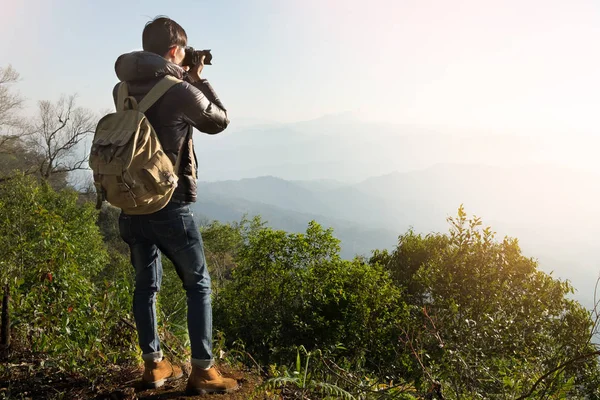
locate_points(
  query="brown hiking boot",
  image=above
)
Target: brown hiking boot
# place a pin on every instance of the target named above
(157, 373)
(204, 381)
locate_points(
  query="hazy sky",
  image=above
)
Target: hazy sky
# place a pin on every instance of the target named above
(508, 66)
(518, 67)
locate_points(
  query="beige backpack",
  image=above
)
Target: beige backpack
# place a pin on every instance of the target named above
(131, 170)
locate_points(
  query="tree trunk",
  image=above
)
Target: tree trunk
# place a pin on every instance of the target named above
(5, 328)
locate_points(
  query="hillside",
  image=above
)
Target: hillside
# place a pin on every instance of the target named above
(356, 238)
(551, 210)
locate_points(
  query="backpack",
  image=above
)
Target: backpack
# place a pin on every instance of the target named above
(131, 170)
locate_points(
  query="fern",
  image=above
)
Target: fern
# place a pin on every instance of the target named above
(334, 391)
(281, 381)
(302, 380)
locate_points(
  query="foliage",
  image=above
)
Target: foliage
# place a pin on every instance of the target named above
(108, 224)
(291, 290)
(171, 312)
(317, 375)
(16, 155)
(52, 254)
(486, 321)
(463, 308)
(222, 244)
(300, 383)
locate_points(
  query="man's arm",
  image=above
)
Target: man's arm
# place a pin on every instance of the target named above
(204, 86)
(215, 113)
(202, 108)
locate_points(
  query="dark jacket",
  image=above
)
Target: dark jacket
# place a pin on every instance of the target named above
(184, 106)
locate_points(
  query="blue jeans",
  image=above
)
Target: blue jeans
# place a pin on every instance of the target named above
(173, 232)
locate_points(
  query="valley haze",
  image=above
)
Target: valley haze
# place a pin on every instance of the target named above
(390, 178)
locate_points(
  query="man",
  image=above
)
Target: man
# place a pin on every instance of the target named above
(172, 230)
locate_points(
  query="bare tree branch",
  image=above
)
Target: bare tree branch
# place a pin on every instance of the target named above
(56, 133)
(50, 143)
(75, 166)
(11, 124)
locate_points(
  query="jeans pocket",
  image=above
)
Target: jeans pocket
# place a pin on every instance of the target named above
(171, 234)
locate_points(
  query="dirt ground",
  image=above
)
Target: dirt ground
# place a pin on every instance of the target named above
(132, 389)
(22, 378)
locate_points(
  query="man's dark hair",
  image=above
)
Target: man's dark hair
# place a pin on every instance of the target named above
(161, 34)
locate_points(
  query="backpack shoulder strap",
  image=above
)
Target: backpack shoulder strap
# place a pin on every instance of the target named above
(122, 94)
(157, 91)
(124, 101)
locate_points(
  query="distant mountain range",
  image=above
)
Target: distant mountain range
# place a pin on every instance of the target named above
(336, 170)
(346, 149)
(224, 202)
(554, 212)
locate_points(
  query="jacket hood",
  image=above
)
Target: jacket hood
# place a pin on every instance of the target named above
(143, 65)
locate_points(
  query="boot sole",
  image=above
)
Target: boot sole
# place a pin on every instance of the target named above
(195, 391)
(161, 382)
(155, 385)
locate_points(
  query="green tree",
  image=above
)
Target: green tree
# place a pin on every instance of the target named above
(52, 253)
(16, 155)
(487, 321)
(291, 289)
(222, 244)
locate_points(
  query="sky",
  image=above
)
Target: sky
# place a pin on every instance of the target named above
(525, 67)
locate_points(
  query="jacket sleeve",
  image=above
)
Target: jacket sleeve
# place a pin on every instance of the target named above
(202, 108)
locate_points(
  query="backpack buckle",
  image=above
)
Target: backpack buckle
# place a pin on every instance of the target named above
(171, 181)
(122, 185)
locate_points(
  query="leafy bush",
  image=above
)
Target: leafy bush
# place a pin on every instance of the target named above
(460, 308)
(316, 375)
(291, 290)
(52, 253)
(486, 321)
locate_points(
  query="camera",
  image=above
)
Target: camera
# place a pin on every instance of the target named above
(193, 57)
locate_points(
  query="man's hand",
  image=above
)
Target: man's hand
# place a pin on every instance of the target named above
(196, 70)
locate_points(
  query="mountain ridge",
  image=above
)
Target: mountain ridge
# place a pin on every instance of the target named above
(541, 205)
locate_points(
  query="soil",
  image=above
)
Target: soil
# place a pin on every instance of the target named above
(22, 376)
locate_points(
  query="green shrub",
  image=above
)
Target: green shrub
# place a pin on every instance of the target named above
(52, 254)
(291, 290)
(486, 321)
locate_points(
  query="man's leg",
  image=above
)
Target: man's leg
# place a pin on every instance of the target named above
(179, 238)
(145, 258)
(184, 248)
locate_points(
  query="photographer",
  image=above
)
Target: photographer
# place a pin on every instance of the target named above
(172, 230)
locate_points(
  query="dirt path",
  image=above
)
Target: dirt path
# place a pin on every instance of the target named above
(24, 379)
(132, 390)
